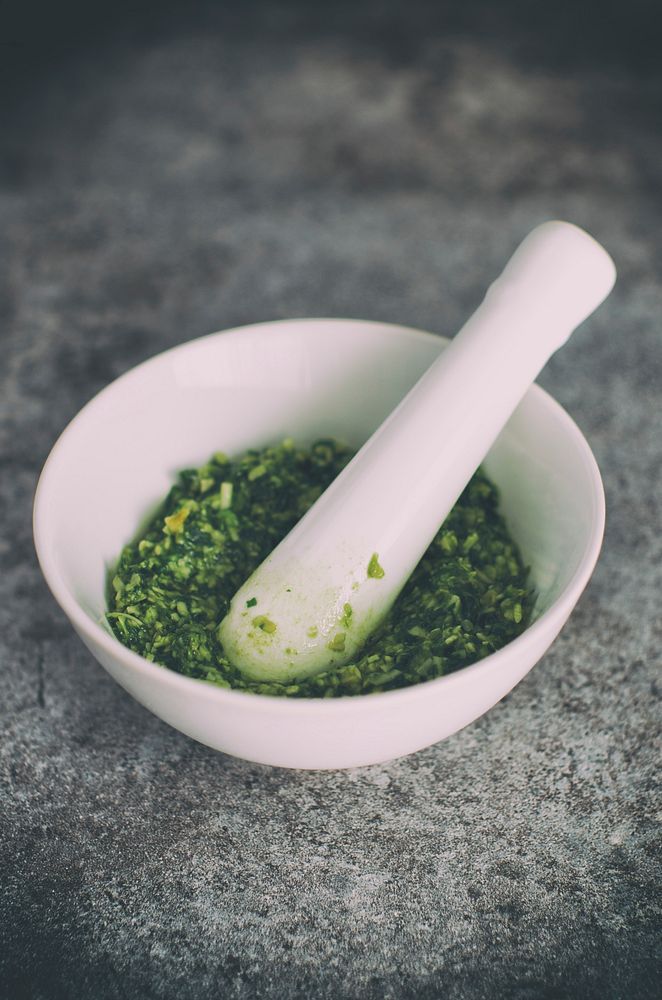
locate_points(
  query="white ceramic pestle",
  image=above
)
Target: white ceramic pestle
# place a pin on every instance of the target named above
(311, 604)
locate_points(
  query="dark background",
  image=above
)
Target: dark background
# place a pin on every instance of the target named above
(172, 169)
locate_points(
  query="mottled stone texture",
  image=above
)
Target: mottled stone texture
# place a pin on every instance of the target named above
(177, 171)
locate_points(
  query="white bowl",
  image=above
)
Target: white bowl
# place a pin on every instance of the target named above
(303, 379)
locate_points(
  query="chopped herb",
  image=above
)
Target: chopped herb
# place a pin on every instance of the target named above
(375, 571)
(226, 495)
(337, 644)
(264, 623)
(172, 587)
(175, 522)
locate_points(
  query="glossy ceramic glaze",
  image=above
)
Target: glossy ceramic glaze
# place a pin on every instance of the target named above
(302, 379)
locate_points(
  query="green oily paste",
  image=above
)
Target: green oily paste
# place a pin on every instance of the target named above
(172, 587)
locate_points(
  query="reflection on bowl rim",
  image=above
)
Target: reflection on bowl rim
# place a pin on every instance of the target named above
(95, 631)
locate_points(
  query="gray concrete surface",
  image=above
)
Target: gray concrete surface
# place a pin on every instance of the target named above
(382, 162)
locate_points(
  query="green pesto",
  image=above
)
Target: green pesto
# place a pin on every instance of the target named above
(261, 622)
(375, 571)
(172, 586)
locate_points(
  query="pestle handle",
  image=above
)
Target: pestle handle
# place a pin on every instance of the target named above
(393, 496)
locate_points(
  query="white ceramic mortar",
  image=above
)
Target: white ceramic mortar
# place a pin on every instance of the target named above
(303, 379)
